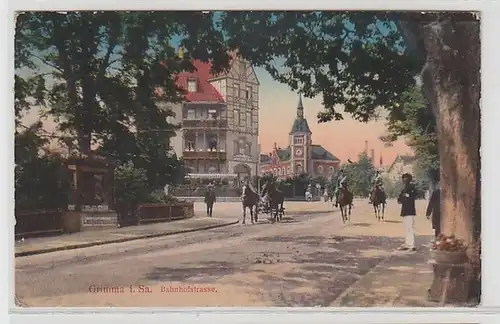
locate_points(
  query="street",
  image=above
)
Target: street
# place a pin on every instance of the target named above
(308, 260)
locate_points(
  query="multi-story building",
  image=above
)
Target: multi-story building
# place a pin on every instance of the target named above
(301, 155)
(220, 121)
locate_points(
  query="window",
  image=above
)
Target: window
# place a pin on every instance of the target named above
(300, 169)
(331, 170)
(236, 117)
(243, 68)
(298, 141)
(212, 143)
(283, 171)
(190, 145)
(249, 119)
(320, 169)
(212, 114)
(198, 113)
(236, 147)
(242, 120)
(248, 93)
(288, 170)
(190, 114)
(236, 89)
(192, 85)
(275, 172)
(248, 148)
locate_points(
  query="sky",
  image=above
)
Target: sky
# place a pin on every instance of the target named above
(344, 139)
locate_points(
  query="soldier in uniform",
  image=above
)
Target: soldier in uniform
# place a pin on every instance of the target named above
(340, 181)
(376, 181)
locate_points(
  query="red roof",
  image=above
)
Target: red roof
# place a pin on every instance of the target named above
(205, 91)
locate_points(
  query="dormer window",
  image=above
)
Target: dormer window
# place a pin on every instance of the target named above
(192, 85)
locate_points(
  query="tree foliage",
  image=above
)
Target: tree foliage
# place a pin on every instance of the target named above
(359, 175)
(41, 181)
(101, 86)
(415, 121)
(357, 60)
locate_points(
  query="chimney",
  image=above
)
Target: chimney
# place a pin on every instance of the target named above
(366, 147)
(381, 161)
(373, 156)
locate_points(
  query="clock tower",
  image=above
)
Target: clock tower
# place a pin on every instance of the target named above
(300, 142)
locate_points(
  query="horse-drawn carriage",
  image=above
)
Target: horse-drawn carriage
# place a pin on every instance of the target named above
(265, 207)
(269, 201)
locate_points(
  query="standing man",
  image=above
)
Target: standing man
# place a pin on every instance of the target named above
(210, 199)
(434, 209)
(408, 212)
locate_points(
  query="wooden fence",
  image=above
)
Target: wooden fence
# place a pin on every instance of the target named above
(155, 213)
(39, 223)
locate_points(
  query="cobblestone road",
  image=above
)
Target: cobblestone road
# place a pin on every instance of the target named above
(308, 260)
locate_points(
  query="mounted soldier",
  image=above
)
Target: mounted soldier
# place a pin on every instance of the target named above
(376, 183)
(341, 180)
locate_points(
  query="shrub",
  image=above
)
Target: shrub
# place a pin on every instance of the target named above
(131, 186)
(159, 197)
(41, 183)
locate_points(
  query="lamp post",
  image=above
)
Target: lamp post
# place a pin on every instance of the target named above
(257, 165)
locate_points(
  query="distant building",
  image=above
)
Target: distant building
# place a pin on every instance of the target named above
(220, 121)
(301, 156)
(401, 164)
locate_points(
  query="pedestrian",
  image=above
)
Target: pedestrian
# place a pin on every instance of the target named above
(408, 212)
(434, 209)
(210, 199)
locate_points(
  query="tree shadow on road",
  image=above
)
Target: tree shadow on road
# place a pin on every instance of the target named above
(201, 272)
(301, 271)
(392, 221)
(360, 224)
(319, 277)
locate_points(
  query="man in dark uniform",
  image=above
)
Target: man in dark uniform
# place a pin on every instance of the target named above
(408, 212)
(434, 209)
(210, 199)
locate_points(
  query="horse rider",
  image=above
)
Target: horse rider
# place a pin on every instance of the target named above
(376, 182)
(342, 178)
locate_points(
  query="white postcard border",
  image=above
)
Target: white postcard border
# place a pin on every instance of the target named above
(487, 313)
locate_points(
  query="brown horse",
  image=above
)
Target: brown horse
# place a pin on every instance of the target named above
(345, 203)
(276, 201)
(249, 199)
(379, 200)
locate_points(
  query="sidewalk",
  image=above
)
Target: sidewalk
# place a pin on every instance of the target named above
(90, 238)
(226, 213)
(402, 278)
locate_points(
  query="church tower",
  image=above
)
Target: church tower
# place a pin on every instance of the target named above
(300, 142)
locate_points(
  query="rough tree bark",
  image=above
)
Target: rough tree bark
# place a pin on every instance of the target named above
(451, 84)
(452, 72)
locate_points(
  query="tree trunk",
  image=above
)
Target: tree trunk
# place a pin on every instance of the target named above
(452, 75)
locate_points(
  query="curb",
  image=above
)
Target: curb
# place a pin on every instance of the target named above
(355, 285)
(126, 239)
